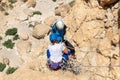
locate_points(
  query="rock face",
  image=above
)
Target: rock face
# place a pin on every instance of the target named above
(31, 71)
(40, 31)
(93, 31)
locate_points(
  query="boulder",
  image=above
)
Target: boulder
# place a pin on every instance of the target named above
(107, 2)
(62, 10)
(51, 20)
(40, 30)
(30, 3)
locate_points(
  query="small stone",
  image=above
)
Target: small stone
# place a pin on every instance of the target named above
(24, 36)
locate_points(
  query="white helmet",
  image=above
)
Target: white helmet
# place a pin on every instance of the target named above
(60, 24)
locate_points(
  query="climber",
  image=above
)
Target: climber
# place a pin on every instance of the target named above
(59, 28)
(54, 53)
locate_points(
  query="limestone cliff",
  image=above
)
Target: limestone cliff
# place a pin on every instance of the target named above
(92, 27)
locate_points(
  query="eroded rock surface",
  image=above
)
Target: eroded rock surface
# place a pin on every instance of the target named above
(92, 28)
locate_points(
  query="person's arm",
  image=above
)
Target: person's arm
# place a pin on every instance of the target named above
(65, 51)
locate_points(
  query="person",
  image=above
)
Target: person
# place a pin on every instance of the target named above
(55, 53)
(59, 28)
